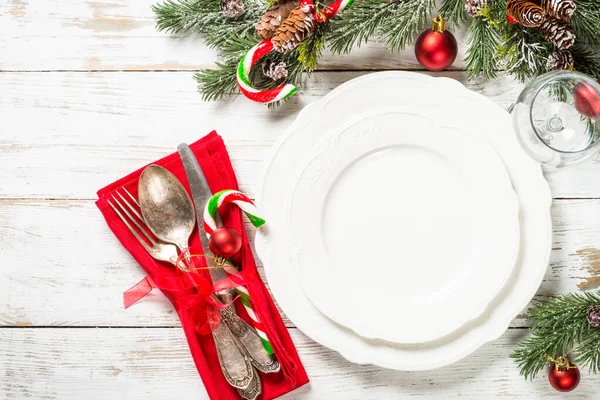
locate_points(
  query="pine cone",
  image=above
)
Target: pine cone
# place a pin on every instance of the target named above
(293, 30)
(275, 70)
(593, 316)
(474, 6)
(271, 20)
(559, 33)
(561, 9)
(526, 13)
(232, 8)
(560, 60)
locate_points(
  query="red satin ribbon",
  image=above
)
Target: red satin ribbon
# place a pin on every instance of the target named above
(206, 311)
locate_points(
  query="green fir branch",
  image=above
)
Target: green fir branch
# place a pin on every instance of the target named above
(560, 326)
(235, 46)
(586, 21)
(587, 59)
(358, 24)
(405, 21)
(481, 50)
(214, 84)
(531, 357)
(221, 82)
(454, 11)
(496, 14)
(179, 16)
(310, 50)
(588, 352)
(524, 52)
(493, 42)
(205, 16)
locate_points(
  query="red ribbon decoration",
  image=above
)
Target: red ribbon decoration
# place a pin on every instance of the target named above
(138, 292)
(205, 309)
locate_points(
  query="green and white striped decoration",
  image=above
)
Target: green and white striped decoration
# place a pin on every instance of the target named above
(214, 204)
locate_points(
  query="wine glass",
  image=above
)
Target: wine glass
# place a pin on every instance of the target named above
(557, 118)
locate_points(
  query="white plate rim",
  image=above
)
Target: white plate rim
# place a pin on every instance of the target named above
(495, 328)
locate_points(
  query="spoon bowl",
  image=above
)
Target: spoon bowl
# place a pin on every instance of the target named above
(166, 206)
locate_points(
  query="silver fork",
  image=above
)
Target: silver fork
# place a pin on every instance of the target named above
(246, 335)
(158, 250)
(236, 367)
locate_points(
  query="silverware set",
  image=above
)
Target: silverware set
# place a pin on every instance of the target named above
(166, 212)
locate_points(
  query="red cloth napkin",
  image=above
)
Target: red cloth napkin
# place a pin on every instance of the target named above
(214, 161)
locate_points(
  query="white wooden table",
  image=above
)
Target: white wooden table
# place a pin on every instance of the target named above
(89, 91)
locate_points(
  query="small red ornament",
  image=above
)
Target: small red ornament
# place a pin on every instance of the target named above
(587, 100)
(563, 376)
(225, 242)
(511, 20)
(436, 49)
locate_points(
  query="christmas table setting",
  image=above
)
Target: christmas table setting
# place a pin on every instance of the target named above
(254, 262)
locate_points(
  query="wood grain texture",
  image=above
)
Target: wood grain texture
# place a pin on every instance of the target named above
(121, 35)
(154, 363)
(75, 116)
(63, 250)
(65, 135)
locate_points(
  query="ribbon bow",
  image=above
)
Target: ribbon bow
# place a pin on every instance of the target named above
(204, 305)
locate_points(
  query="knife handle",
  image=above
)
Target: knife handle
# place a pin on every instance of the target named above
(248, 337)
(236, 367)
(253, 390)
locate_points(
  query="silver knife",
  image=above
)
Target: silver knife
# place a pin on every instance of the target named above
(247, 335)
(201, 193)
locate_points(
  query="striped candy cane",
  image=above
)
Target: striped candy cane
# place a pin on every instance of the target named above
(243, 80)
(266, 46)
(213, 206)
(331, 10)
(218, 200)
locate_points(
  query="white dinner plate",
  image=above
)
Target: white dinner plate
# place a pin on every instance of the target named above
(414, 90)
(391, 195)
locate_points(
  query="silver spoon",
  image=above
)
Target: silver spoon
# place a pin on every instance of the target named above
(169, 214)
(166, 206)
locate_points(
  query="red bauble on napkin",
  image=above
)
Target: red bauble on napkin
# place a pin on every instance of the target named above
(216, 165)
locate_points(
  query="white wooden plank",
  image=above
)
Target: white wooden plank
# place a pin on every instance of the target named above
(65, 135)
(154, 363)
(64, 251)
(121, 35)
(62, 266)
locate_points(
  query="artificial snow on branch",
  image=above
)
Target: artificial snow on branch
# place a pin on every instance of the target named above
(523, 38)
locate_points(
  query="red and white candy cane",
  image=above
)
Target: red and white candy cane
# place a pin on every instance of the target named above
(266, 46)
(211, 210)
(220, 199)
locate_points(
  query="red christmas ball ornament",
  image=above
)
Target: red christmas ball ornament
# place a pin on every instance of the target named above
(511, 20)
(436, 49)
(587, 100)
(563, 376)
(225, 242)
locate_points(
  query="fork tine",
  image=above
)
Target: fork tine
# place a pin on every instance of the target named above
(131, 229)
(137, 214)
(132, 219)
(131, 197)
